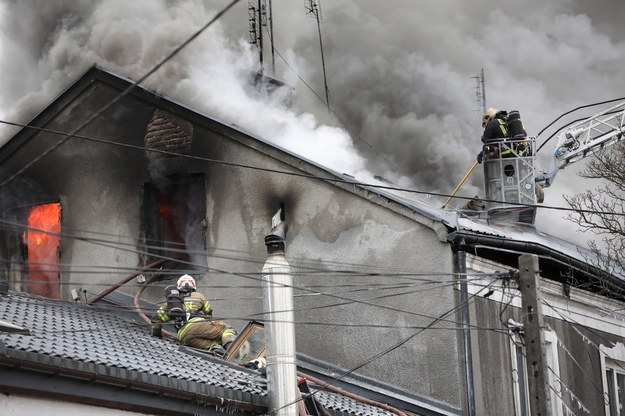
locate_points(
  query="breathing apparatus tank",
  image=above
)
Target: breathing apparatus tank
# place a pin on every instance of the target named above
(516, 130)
(175, 306)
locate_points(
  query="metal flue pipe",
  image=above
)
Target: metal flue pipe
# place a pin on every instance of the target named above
(279, 326)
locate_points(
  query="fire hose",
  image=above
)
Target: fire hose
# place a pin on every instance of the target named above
(168, 334)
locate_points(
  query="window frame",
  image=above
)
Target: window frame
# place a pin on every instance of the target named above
(520, 388)
(612, 358)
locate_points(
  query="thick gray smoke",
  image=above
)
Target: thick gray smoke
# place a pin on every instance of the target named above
(399, 72)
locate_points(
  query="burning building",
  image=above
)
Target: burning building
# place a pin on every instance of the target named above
(385, 288)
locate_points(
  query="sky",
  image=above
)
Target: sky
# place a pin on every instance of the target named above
(400, 74)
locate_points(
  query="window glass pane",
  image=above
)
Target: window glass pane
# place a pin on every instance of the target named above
(523, 392)
(609, 375)
(620, 386)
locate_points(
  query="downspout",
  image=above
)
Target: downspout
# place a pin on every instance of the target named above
(279, 325)
(466, 332)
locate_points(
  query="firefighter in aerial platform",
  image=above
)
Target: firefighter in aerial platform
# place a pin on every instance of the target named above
(495, 124)
(191, 313)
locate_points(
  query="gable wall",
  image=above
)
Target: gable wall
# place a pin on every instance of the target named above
(336, 227)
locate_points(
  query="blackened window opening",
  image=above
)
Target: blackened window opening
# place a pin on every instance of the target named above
(175, 220)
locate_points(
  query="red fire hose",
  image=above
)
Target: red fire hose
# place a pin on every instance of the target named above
(125, 280)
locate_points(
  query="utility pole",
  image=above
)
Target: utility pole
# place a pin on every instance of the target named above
(535, 354)
(313, 7)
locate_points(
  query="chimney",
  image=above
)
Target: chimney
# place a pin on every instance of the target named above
(279, 323)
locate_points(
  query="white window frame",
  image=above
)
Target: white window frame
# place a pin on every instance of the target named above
(553, 376)
(611, 358)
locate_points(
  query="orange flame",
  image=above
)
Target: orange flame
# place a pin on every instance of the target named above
(44, 222)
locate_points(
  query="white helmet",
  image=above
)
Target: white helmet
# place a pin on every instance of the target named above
(186, 283)
(488, 115)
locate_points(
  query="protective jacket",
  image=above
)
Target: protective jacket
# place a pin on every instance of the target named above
(198, 330)
(496, 130)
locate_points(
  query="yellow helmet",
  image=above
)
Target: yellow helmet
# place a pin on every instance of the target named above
(488, 115)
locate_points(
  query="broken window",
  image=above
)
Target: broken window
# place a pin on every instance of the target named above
(175, 220)
(41, 246)
(249, 345)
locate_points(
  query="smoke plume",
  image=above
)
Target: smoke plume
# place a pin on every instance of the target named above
(399, 73)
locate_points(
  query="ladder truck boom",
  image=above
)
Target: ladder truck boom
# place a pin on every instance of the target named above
(584, 138)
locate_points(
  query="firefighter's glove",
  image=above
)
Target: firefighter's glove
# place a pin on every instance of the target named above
(480, 156)
(217, 351)
(157, 331)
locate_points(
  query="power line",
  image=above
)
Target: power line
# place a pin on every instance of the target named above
(569, 112)
(305, 271)
(310, 176)
(119, 96)
(345, 124)
(395, 346)
(255, 278)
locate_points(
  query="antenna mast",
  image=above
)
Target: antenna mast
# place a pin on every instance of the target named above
(273, 50)
(313, 7)
(257, 16)
(480, 91)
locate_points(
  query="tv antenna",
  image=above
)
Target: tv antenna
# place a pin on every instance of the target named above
(480, 91)
(313, 8)
(260, 15)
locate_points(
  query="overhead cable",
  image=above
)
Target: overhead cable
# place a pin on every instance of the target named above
(91, 118)
(310, 176)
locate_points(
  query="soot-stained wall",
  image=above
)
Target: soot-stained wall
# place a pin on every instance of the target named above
(359, 259)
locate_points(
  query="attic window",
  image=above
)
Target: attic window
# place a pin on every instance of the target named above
(42, 251)
(175, 220)
(249, 345)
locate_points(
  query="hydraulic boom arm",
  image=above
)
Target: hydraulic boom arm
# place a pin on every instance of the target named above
(584, 138)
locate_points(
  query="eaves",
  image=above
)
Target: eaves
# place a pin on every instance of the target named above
(43, 375)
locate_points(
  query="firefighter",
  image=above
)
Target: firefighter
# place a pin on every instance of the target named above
(195, 325)
(495, 126)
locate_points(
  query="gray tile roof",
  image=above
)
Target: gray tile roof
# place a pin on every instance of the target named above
(93, 339)
(339, 404)
(98, 340)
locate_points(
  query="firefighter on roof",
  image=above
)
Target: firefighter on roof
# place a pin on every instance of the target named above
(192, 316)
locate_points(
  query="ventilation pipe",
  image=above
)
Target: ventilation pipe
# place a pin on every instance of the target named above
(279, 323)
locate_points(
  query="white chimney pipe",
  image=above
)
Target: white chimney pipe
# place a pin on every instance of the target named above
(279, 325)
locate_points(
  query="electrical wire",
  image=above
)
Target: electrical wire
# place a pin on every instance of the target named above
(333, 179)
(118, 97)
(324, 293)
(575, 361)
(393, 347)
(571, 111)
(306, 271)
(346, 125)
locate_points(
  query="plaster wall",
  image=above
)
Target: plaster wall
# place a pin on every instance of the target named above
(369, 274)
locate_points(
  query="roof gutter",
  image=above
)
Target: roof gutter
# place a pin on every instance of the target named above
(469, 241)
